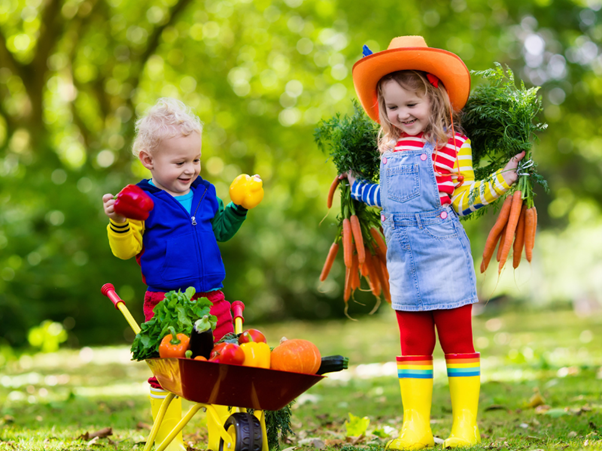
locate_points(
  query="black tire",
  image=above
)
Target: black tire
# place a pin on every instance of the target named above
(247, 430)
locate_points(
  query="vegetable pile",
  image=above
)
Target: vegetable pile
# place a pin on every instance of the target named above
(178, 311)
(500, 120)
(183, 328)
(351, 142)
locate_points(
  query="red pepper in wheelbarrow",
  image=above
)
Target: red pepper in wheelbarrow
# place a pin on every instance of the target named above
(173, 345)
(133, 203)
(229, 353)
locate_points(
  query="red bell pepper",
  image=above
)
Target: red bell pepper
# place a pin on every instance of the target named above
(133, 203)
(229, 353)
(251, 336)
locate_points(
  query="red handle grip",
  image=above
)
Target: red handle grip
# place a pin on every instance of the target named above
(109, 291)
(237, 308)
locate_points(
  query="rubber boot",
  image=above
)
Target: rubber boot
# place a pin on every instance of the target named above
(172, 417)
(416, 382)
(464, 373)
(213, 426)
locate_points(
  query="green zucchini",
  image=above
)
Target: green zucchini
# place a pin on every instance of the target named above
(333, 363)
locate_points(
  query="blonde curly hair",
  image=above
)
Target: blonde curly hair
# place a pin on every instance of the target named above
(439, 128)
(166, 119)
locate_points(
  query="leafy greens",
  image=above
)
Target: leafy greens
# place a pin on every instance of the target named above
(177, 310)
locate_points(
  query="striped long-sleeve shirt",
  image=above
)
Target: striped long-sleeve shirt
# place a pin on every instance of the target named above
(465, 197)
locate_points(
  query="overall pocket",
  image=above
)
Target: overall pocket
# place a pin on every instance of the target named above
(442, 230)
(403, 182)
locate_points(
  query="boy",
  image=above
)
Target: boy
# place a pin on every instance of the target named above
(176, 246)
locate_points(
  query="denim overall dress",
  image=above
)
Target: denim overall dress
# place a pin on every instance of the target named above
(428, 256)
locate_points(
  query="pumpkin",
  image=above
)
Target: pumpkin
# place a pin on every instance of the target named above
(296, 355)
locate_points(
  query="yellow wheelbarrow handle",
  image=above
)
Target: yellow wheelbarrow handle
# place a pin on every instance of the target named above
(109, 291)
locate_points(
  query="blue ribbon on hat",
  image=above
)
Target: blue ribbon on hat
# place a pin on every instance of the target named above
(366, 51)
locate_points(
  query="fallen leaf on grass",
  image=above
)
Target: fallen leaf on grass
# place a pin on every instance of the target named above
(572, 434)
(356, 426)
(142, 425)
(355, 440)
(100, 434)
(92, 442)
(536, 400)
(335, 442)
(542, 409)
(495, 407)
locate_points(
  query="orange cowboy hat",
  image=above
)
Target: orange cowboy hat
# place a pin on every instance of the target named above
(410, 53)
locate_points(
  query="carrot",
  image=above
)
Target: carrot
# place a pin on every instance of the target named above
(356, 228)
(355, 275)
(347, 243)
(380, 242)
(332, 253)
(519, 239)
(383, 280)
(347, 291)
(530, 229)
(331, 191)
(494, 233)
(517, 204)
(501, 245)
(373, 281)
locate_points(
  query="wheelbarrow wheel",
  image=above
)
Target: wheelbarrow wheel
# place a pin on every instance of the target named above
(245, 429)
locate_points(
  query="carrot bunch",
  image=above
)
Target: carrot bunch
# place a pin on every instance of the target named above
(364, 248)
(514, 228)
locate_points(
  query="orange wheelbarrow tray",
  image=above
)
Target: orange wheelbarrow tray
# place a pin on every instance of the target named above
(213, 386)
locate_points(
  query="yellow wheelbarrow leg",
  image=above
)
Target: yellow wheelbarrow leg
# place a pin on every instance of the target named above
(157, 424)
(183, 422)
(260, 414)
(216, 417)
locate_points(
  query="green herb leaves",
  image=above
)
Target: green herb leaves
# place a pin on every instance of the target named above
(351, 141)
(177, 310)
(501, 121)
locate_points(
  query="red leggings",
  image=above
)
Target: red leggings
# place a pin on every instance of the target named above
(454, 327)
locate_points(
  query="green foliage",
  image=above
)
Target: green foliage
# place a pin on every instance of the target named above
(501, 121)
(177, 310)
(47, 336)
(278, 425)
(351, 142)
(356, 425)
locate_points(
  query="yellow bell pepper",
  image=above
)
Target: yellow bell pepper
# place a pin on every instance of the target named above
(256, 354)
(246, 191)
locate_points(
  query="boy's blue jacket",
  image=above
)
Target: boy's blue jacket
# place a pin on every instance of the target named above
(180, 248)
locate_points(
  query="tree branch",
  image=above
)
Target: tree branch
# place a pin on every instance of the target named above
(8, 60)
(153, 42)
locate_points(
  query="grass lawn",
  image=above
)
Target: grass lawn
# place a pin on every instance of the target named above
(55, 401)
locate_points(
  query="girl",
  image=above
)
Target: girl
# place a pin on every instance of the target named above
(426, 182)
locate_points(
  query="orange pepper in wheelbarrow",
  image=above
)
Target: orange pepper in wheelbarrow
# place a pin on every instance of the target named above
(173, 345)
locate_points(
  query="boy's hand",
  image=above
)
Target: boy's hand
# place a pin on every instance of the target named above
(108, 201)
(509, 171)
(246, 191)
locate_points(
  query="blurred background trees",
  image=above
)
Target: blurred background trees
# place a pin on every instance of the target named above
(261, 74)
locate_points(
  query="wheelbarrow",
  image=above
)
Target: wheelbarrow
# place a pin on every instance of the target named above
(212, 386)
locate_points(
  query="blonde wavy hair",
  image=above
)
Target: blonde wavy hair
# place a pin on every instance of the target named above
(166, 119)
(439, 128)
